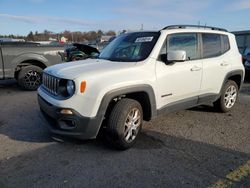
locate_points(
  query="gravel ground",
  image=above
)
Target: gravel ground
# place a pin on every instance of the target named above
(191, 148)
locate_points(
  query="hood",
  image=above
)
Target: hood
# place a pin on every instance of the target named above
(86, 48)
(76, 69)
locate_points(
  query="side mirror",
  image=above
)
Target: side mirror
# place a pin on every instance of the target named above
(176, 56)
(248, 57)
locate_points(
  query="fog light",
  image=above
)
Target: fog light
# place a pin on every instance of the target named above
(66, 111)
(67, 124)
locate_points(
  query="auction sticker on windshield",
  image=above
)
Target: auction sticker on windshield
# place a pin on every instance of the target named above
(144, 39)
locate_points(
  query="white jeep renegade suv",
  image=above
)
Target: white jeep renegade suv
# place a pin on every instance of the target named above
(139, 76)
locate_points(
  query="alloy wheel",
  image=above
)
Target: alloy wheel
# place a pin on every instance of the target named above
(132, 125)
(32, 78)
(230, 96)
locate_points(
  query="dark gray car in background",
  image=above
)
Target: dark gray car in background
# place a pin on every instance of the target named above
(25, 61)
(243, 42)
(242, 39)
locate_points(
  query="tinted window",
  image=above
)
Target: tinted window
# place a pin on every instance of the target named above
(187, 42)
(211, 45)
(225, 42)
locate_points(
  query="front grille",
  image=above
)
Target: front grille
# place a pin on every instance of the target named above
(51, 84)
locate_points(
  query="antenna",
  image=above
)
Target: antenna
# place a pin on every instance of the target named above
(141, 27)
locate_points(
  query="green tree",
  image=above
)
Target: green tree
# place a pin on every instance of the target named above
(30, 36)
(111, 33)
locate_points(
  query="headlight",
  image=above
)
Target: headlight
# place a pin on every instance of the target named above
(70, 87)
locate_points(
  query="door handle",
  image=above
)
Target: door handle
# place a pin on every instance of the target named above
(224, 64)
(195, 68)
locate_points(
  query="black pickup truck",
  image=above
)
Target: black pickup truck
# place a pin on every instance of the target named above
(25, 61)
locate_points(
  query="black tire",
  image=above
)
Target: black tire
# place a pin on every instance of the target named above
(223, 104)
(30, 77)
(119, 126)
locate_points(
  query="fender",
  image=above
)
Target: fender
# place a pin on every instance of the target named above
(234, 73)
(11, 66)
(228, 75)
(30, 56)
(127, 90)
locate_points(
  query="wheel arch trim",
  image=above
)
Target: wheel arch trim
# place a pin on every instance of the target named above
(238, 72)
(128, 90)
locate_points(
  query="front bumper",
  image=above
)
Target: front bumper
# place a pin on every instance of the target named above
(72, 125)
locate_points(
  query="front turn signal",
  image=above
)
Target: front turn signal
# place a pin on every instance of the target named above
(83, 86)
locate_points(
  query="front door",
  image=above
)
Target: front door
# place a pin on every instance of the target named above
(179, 83)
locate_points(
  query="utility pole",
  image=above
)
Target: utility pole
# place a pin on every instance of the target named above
(141, 27)
(72, 36)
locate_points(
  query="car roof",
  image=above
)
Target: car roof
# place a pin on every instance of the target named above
(194, 26)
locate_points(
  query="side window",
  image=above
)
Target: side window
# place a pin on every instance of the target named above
(225, 42)
(184, 41)
(211, 45)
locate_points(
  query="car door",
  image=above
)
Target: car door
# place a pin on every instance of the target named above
(216, 62)
(179, 83)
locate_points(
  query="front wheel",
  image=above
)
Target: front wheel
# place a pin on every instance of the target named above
(30, 77)
(124, 124)
(228, 97)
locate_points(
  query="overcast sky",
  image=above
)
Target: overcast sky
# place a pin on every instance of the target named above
(22, 16)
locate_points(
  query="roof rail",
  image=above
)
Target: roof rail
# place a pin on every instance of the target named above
(193, 26)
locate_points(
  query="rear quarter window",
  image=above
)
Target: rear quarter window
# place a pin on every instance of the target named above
(225, 43)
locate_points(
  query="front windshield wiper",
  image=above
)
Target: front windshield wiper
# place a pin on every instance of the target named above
(121, 60)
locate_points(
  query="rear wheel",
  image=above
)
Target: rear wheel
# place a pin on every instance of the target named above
(228, 97)
(124, 123)
(30, 77)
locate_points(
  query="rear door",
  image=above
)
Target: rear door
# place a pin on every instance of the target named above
(216, 62)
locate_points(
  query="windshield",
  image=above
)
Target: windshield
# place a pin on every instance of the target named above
(130, 47)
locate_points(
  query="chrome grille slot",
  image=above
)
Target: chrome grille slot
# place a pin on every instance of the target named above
(51, 84)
